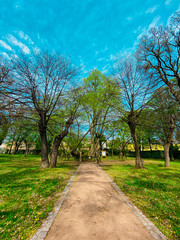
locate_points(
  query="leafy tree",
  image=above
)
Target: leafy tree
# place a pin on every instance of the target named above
(69, 112)
(99, 101)
(120, 136)
(161, 119)
(159, 52)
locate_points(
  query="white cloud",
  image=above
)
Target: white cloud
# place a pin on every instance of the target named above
(113, 57)
(96, 53)
(167, 2)
(154, 22)
(129, 18)
(5, 45)
(151, 10)
(5, 55)
(24, 36)
(143, 32)
(100, 59)
(15, 42)
(36, 50)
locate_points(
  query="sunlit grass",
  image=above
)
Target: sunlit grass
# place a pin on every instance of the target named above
(155, 190)
(28, 193)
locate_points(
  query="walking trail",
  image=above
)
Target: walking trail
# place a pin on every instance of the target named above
(93, 210)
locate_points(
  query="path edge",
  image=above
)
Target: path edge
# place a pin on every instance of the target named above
(43, 230)
(153, 230)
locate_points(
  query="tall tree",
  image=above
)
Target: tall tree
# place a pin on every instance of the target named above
(100, 98)
(70, 113)
(135, 89)
(159, 54)
(40, 81)
(161, 119)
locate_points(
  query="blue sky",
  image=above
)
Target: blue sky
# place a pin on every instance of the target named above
(90, 32)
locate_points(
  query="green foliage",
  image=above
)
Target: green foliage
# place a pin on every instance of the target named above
(155, 190)
(28, 193)
(155, 120)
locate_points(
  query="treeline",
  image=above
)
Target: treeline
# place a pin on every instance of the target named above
(45, 103)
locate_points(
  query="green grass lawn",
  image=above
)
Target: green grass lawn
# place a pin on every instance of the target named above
(155, 190)
(28, 193)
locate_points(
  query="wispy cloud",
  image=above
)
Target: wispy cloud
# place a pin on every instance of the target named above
(151, 10)
(5, 55)
(24, 36)
(143, 32)
(129, 18)
(100, 59)
(154, 22)
(167, 2)
(112, 57)
(5, 45)
(15, 42)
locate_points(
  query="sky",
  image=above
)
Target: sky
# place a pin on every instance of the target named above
(90, 32)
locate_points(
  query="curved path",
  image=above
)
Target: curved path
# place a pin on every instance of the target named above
(93, 210)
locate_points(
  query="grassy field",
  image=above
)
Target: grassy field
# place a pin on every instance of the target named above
(155, 190)
(28, 193)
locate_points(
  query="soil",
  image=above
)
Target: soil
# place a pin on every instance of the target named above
(93, 210)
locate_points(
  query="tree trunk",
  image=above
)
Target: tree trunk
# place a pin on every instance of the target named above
(132, 122)
(112, 152)
(149, 141)
(169, 141)
(26, 151)
(166, 154)
(80, 156)
(10, 149)
(139, 161)
(44, 150)
(43, 135)
(57, 141)
(120, 153)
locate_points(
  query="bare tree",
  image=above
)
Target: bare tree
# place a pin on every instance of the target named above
(159, 53)
(135, 90)
(40, 81)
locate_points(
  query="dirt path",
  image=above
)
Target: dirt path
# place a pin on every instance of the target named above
(93, 210)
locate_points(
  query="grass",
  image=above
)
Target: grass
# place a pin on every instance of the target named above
(28, 193)
(155, 190)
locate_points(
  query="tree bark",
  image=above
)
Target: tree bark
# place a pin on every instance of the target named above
(166, 154)
(57, 141)
(132, 121)
(26, 151)
(43, 135)
(169, 141)
(44, 150)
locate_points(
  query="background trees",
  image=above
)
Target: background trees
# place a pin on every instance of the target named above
(39, 90)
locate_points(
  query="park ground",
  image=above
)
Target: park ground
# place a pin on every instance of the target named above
(29, 193)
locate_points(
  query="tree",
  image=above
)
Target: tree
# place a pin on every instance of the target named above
(159, 54)
(119, 134)
(135, 88)
(99, 100)
(40, 81)
(5, 100)
(73, 101)
(161, 118)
